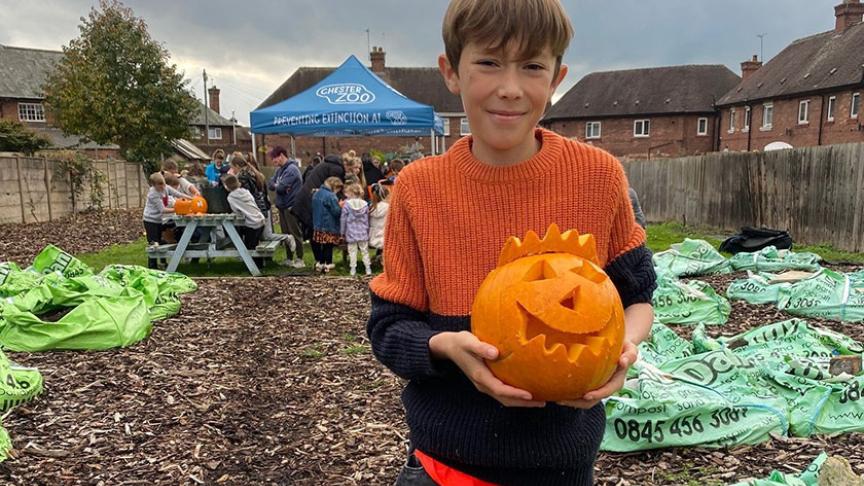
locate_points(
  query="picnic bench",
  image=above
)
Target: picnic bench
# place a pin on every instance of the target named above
(216, 246)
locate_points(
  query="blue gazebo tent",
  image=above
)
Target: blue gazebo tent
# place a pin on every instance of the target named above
(351, 101)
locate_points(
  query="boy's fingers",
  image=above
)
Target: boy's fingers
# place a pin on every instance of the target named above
(510, 402)
(584, 404)
(613, 385)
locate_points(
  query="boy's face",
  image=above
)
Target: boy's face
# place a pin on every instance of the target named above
(504, 98)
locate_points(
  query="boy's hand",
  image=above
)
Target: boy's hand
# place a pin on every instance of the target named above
(468, 352)
(615, 383)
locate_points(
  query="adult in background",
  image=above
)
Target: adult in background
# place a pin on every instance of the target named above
(217, 167)
(287, 183)
(637, 208)
(312, 164)
(371, 171)
(331, 166)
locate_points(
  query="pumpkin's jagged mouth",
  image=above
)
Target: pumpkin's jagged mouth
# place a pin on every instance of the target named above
(574, 343)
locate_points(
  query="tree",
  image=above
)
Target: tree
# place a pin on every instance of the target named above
(114, 84)
(15, 137)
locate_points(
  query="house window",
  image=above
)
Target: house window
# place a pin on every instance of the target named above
(856, 105)
(767, 116)
(464, 128)
(215, 133)
(702, 126)
(747, 115)
(31, 112)
(446, 126)
(831, 102)
(592, 130)
(804, 112)
(732, 113)
(641, 128)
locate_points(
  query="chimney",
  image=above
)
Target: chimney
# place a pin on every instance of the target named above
(377, 58)
(750, 67)
(848, 14)
(214, 98)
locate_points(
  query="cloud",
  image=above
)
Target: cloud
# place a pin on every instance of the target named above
(249, 48)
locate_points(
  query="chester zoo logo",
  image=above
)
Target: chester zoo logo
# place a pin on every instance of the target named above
(346, 94)
(397, 118)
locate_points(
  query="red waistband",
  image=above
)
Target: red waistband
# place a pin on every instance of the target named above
(445, 475)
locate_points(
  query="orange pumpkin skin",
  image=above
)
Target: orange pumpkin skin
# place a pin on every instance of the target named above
(554, 315)
(196, 205)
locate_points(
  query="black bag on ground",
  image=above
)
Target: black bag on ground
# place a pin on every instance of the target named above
(754, 239)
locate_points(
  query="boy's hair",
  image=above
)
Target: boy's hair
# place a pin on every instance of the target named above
(231, 182)
(353, 190)
(396, 165)
(170, 165)
(156, 178)
(172, 180)
(334, 183)
(238, 160)
(531, 24)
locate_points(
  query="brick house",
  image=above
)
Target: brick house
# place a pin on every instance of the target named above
(225, 133)
(23, 71)
(422, 84)
(644, 113)
(809, 94)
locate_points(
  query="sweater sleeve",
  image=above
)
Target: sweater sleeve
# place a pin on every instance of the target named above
(629, 265)
(398, 326)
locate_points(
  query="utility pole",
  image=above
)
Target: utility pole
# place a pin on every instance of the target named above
(206, 111)
(761, 46)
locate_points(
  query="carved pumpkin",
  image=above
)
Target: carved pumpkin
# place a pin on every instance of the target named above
(196, 205)
(554, 315)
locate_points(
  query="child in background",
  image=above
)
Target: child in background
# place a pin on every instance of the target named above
(253, 181)
(217, 168)
(243, 204)
(355, 227)
(325, 222)
(378, 216)
(157, 205)
(187, 188)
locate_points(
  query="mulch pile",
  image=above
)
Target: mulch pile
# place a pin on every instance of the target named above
(272, 381)
(87, 231)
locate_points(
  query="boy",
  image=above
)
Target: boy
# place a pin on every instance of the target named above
(169, 167)
(243, 204)
(449, 217)
(157, 204)
(286, 183)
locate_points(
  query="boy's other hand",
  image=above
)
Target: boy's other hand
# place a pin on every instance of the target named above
(629, 354)
(469, 353)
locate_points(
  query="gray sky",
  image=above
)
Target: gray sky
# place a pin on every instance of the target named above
(249, 48)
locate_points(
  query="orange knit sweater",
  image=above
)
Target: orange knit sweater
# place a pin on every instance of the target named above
(451, 214)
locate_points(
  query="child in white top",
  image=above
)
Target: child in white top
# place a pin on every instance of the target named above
(243, 204)
(378, 215)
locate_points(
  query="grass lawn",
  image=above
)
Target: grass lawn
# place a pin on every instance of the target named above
(660, 237)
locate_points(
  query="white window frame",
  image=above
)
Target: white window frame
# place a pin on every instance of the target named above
(832, 106)
(31, 112)
(699, 131)
(766, 123)
(589, 130)
(215, 133)
(732, 114)
(748, 113)
(446, 126)
(646, 128)
(804, 109)
(855, 105)
(464, 127)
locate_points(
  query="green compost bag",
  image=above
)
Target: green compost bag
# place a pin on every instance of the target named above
(792, 360)
(828, 294)
(708, 399)
(13, 280)
(663, 345)
(56, 291)
(53, 259)
(97, 323)
(18, 384)
(691, 258)
(756, 289)
(808, 477)
(160, 289)
(677, 302)
(770, 259)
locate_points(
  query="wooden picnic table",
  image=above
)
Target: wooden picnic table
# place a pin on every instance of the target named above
(214, 247)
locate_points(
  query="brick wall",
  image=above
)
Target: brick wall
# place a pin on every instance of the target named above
(9, 111)
(669, 136)
(785, 127)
